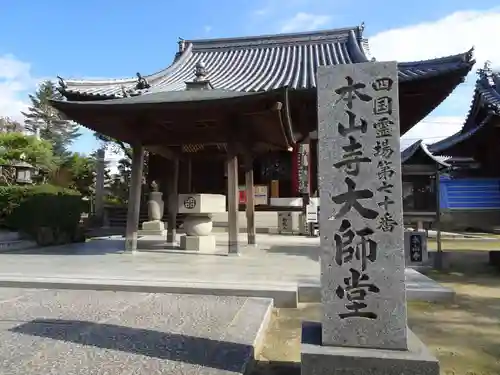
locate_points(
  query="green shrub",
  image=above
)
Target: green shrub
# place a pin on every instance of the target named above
(47, 213)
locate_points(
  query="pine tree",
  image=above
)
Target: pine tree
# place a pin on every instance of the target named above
(44, 120)
(114, 145)
(7, 125)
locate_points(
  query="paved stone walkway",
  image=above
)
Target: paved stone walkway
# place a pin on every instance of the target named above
(276, 259)
(62, 332)
(285, 268)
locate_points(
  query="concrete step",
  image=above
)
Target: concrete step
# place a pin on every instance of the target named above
(9, 236)
(16, 245)
(418, 288)
(283, 294)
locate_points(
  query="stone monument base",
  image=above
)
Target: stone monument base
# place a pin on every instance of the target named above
(317, 359)
(204, 244)
(152, 228)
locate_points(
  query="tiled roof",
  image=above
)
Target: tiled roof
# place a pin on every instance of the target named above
(408, 152)
(486, 100)
(265, 63)
(458, 137)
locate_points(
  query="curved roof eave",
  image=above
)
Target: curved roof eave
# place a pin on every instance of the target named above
(411, 150)
(179, 61)
(264, 63)
(486, 97)
(439, 161)
(452, 140)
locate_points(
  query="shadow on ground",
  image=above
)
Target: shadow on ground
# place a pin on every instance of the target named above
(469, 267)
(206, 352)
(311, 252)
(92, 247)
(276, 368)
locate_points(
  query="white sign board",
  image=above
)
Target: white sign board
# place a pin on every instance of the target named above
(285, 222)
(311, 213)
(260, 195)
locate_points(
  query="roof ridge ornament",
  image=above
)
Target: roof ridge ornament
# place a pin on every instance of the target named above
(485, 71)
(487, 66)
(182, 45)
(62, 83)
(142, 83)
(125, 93)
(200, 72)
(361, 28)
(200, 81)
(469, 55)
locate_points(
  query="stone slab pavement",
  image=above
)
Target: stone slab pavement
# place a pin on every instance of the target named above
(279, 262)
(87, 332)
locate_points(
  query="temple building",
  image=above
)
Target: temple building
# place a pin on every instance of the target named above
(281, 65)
(239, 115)
(470, 189)
(421, 170)
(475, 144)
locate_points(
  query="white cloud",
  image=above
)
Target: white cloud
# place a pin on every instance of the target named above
(15, 82)
(450, 35)
(305, 22)
(262, 11)
(453, 34)
(113, 157)
(433, 129)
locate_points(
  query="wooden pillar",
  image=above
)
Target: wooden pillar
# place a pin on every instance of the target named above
(295, 171)
(420, 225)
(134, 199)
(250, 200)
(189, 175)
(275, 188)
(99, 188)
(173, 197)
(438, 263)
(232, 201)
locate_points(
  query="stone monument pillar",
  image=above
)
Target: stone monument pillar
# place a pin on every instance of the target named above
(198, 222)
(154, 226)
(364, 324)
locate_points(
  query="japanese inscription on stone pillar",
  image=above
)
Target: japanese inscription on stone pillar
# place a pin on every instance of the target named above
(303, 168)
(361, 223)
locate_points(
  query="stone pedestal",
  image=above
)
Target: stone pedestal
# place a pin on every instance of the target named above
(203, 244)
(198, 224)
(317, 359)
(154, 226)
(198, 237)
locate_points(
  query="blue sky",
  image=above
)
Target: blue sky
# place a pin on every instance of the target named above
(116, 38)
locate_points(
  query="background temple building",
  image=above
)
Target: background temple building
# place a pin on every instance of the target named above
(421, 171)
(283, 66)
(476, 140)
(470, 190)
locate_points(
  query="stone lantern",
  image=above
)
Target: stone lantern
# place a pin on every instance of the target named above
(154, 225)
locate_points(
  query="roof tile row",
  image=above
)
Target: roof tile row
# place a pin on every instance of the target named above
(266, 63)
(486, 99)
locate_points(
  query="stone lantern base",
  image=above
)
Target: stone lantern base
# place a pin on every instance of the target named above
(198, 235)
(202, 244)
(152, 228)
